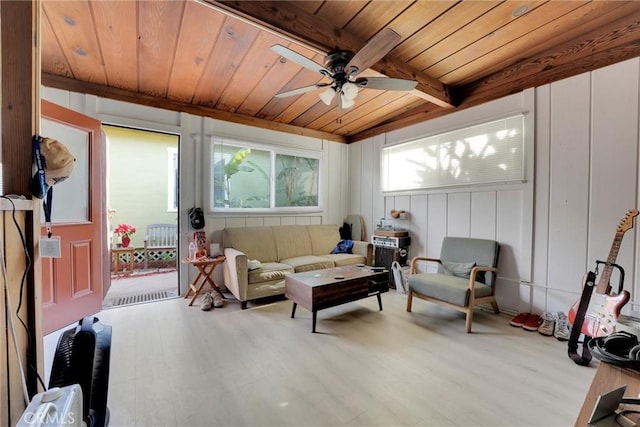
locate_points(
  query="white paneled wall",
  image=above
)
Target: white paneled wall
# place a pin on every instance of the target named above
(583, 140)
(496, 212)
(589, 167)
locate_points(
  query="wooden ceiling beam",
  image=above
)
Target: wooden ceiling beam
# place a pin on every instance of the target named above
(65, 83)
(600, 48)
(287, 19)
(618, 42)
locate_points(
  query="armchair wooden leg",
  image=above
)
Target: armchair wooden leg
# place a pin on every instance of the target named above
(469, 319)
(409, 300)
(494, 304)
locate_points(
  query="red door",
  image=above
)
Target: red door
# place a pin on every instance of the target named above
(72, 285)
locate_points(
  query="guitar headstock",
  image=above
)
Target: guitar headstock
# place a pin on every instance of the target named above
(627, 221)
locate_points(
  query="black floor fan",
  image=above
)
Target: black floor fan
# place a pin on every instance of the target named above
(82, 357)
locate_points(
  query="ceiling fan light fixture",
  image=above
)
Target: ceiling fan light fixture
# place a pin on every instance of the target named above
(346, 102)
(350, 90)
(327, 95)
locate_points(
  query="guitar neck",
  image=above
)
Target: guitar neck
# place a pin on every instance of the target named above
(603, 284)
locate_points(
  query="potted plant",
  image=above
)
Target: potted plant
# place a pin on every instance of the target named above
(125, 231)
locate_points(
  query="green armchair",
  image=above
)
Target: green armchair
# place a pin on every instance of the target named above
(466, 276)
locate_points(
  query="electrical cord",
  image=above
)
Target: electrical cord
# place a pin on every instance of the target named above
(20, 299)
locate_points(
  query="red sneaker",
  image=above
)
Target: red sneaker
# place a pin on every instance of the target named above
(520, 319)
(533, 323)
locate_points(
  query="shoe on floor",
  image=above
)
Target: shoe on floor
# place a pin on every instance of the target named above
(548, 324)
(218, 301)
(519, 320)
(207, 302)
(533, 323)
(562, 331)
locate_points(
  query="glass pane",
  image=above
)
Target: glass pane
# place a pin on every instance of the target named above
(240, 177)
(488, 153)
(71, 196)
(296, 181)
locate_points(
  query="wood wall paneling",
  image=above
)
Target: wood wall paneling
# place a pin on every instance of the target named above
(19, 94)
(436, 223)
(4, 350)
(11, 392)
(378, 198)
(614, 164)
(569, 177)
(254, 221)
(483, 219)
(509, 232)
(542, 179)
(272, 221)
(16, 262)
(367, 177)
(335, 194)
(418, 225)
(355, 177)
(402, 203)
(459, 214)
(19, 39)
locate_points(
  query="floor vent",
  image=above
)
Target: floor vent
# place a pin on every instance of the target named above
(136, 299)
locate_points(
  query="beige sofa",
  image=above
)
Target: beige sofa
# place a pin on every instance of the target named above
(281, 250)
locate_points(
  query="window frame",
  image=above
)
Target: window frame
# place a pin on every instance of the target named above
(173, 171)
(274, 151)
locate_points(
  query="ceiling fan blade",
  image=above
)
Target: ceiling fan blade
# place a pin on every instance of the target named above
(299, 59)
(301, 90)
(386, 83)
(373, 51)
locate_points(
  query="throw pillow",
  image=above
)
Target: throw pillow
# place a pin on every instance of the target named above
(253, 264)
(343, 247)
(460, 269)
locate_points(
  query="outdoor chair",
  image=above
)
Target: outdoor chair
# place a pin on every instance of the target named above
(466, 276)
(159, 237)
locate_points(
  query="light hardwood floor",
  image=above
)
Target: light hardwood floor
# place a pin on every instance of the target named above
(174, 365)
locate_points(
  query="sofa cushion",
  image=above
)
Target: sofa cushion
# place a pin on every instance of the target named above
(345, 259)
(324, 238)
(308, 263)
(452, 289)
(269, 271)
(256, 242)
(291, 241)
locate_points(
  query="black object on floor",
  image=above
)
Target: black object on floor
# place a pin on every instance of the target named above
(82, 357)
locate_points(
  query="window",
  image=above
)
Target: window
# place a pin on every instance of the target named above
(249, 176)
(241, 177)
(296, 181)
(488, 153)
(172, 179)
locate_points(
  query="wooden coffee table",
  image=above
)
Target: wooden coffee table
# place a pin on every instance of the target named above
(320, 289)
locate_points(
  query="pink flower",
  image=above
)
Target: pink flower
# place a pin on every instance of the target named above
(124, 230)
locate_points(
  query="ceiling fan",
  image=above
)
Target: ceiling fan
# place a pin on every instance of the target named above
(342, 68)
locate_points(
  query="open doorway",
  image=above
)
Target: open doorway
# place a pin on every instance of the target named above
(142, 204)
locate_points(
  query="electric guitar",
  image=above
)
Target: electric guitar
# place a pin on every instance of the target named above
(602, 313)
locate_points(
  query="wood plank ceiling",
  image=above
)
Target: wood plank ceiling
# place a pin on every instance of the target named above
(215, 59)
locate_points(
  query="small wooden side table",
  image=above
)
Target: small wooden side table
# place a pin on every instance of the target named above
(607, 378)
(116, 259)
(205, 268)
